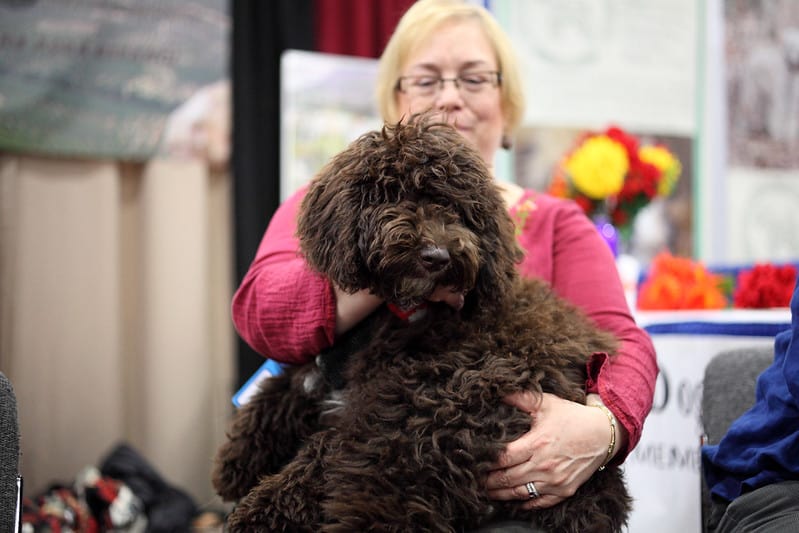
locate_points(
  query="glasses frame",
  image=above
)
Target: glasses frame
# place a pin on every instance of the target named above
(457, 81)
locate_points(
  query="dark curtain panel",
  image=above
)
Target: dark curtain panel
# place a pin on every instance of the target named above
(356, 27)
(261, 31)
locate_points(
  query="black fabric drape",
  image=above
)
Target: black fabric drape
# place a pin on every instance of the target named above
(261, 31)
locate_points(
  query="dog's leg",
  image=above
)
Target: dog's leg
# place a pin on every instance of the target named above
(266, 433)
(289, 500)
(600, 505)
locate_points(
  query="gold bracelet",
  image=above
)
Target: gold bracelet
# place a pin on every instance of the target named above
(612, 421)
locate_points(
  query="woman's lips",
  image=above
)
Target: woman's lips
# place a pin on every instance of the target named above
(459, 123)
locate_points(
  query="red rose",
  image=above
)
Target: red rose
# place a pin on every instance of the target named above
(765, 285)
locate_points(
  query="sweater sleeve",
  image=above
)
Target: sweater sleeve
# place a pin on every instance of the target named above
(282, 309)
(584, 272)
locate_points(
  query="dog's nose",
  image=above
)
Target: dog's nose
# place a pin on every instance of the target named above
(434, 258)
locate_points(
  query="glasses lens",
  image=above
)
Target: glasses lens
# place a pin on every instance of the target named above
(427, 86)
(421, 85)
(477, 81)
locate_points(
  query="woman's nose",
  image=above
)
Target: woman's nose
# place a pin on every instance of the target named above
(449, 96)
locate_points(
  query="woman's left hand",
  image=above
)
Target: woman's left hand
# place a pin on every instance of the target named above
(566, 444)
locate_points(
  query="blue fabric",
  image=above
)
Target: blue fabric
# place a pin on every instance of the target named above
(762, 446)
(754, 329)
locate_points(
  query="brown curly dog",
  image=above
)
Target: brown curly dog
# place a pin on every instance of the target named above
(403, 442)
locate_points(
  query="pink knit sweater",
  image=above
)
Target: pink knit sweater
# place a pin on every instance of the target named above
(287, 312)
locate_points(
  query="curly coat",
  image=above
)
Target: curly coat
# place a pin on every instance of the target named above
(407, 441)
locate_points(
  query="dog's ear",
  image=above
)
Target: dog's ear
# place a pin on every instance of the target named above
(330, 214)
(499, 271)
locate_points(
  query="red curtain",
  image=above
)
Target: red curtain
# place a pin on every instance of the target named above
(356, 27)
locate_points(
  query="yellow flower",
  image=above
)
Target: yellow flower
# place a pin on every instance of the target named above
(669, 166)
(598, 167)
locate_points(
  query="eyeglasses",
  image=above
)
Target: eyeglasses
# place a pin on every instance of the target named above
(428, 85)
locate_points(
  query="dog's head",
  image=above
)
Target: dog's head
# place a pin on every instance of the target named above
(403, 210)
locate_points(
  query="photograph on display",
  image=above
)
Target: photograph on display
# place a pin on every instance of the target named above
(327, 101)
(762, 90)
(762, 46)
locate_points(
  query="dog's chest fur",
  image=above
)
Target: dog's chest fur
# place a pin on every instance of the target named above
(428, 397)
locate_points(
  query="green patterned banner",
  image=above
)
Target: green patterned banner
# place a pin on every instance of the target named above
(104, 78)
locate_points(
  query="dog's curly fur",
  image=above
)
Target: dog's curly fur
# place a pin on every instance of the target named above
(406, 443)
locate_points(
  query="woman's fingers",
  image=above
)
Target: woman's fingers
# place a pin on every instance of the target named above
(557, 458)
(449, 295)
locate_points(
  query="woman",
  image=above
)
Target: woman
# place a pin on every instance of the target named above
(453, 57)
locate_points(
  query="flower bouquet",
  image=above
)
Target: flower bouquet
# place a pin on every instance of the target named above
(611, 175)
(764, 285)
(681, 283)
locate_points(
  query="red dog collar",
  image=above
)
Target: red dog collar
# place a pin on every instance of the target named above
(409, 315)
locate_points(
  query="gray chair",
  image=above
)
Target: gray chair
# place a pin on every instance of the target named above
(10, 481)
(728, 391)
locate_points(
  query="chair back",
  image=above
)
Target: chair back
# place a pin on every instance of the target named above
(10, 481)
(728, 392)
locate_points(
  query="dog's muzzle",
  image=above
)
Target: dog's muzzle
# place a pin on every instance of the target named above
(434, 258)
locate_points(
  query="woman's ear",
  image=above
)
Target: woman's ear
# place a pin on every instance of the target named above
(507, 141)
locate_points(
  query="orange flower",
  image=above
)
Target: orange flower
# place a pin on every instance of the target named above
(559, 186)
(659, 293)
(680, 283)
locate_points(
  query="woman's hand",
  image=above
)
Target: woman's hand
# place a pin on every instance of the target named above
(567, 443)
(351, 308)
(449, 295)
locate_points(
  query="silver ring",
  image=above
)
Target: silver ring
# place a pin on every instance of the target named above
(531, 490)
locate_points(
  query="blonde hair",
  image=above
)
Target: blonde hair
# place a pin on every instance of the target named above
(420, 21)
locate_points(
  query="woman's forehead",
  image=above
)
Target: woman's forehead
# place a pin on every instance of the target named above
(455, 44)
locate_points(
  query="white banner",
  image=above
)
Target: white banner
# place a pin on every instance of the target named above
(664, 471)
(587, 63)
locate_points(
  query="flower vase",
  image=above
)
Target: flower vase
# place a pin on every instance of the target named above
(609, 232)
(629, 267)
